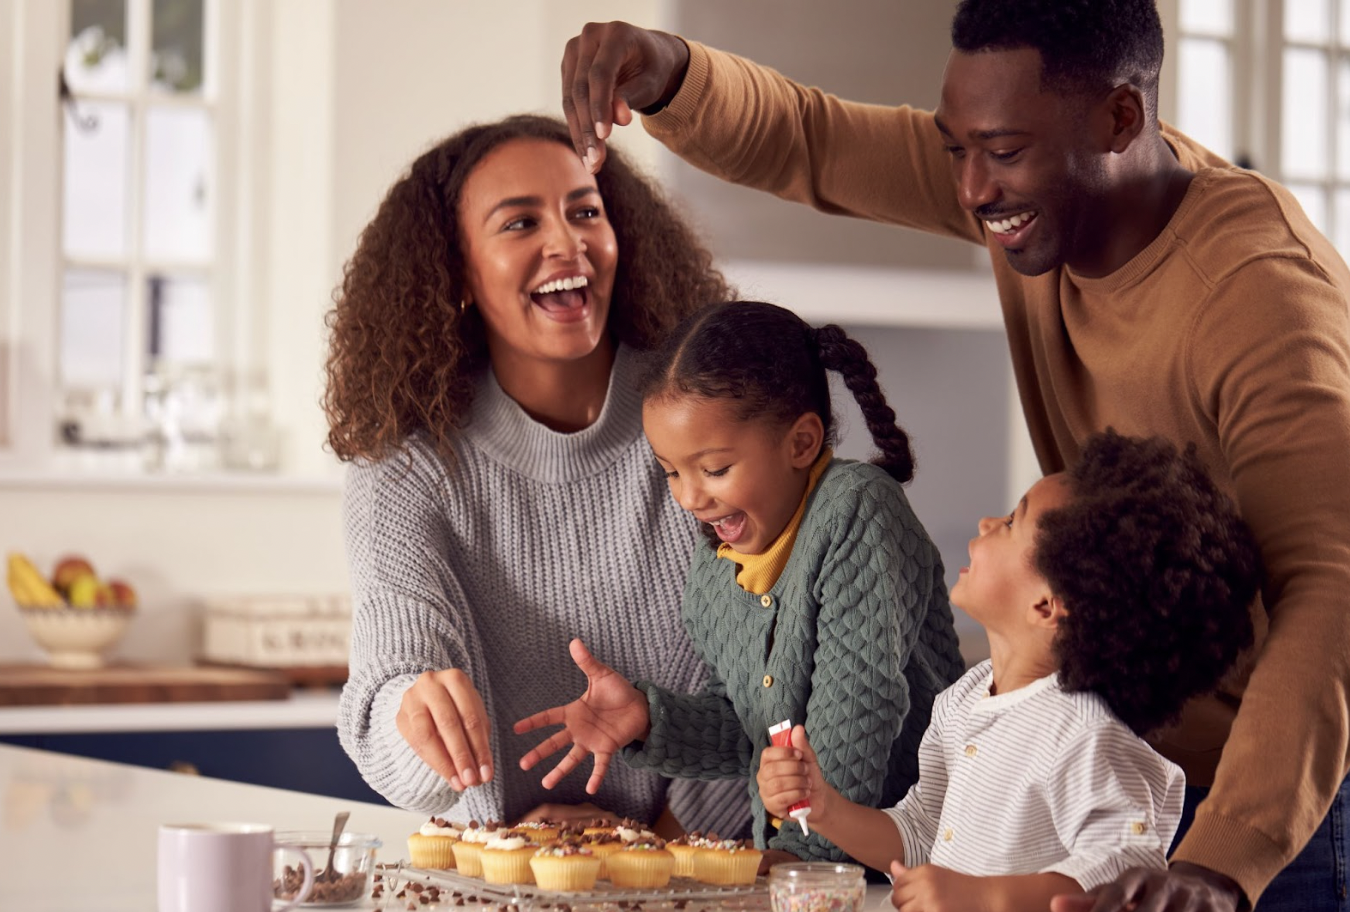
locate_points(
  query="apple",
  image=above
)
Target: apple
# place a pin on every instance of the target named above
(67, 570)
(123, 596)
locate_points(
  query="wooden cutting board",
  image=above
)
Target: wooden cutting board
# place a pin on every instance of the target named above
(33, 685)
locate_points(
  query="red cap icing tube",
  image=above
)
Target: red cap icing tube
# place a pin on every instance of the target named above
(780, 735)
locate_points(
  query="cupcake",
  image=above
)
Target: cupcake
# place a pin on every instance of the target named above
(540, 832)
(598, 826)
(641, 863)
(728, 862)
(630, 830)
(565, 865)
(683, 850)
(506, 858)
(602, 845)
(469, 850)
(432, 846)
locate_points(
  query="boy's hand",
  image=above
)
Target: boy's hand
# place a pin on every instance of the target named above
(787, 775)
(610, 714)
(929, 888)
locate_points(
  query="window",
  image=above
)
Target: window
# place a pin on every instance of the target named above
(1268, 86)
(136, 354)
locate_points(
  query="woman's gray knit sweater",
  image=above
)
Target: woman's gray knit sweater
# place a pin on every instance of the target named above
(491, 565)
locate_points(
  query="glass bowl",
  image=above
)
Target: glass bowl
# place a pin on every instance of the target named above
(76, 637)
(348, 883)
(817, 886)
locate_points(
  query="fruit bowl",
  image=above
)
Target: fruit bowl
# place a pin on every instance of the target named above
(76, 637)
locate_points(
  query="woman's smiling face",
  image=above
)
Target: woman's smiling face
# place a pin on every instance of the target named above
(539, 252)
(745, 478)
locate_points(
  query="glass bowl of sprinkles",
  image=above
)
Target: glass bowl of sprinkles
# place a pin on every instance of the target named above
(816, 886)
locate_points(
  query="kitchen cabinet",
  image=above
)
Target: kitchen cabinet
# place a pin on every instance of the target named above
(290, 744)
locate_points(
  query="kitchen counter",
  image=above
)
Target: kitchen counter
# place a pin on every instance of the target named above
(304, 709)
(81, 834)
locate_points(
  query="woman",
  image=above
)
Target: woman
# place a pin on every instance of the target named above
(502, 498)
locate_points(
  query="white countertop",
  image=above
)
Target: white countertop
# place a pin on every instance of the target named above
(304, 709)
(80, 835)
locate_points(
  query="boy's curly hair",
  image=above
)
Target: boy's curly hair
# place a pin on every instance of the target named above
(1157, 572)
(403, 357)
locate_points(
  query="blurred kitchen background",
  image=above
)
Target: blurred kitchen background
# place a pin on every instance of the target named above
(182, 181)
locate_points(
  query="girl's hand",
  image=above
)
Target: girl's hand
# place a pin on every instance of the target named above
(929, 888)
(787, 775)
(443, 719)
(608, 715)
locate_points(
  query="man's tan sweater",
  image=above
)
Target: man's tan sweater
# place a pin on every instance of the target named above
(1230, 330)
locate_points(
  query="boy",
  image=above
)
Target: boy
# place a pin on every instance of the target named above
(1111, 595)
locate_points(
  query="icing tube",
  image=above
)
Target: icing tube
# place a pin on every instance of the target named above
(780, 735)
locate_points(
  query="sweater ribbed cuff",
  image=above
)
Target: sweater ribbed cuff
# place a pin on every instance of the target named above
(1234, 849)
(676, 115)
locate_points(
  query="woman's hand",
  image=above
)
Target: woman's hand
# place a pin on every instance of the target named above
(443, 719)
(787, 775)
(608, 715)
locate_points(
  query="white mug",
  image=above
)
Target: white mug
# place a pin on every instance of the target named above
(221, 867)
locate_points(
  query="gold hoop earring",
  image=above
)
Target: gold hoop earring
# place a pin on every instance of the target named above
(463, 306)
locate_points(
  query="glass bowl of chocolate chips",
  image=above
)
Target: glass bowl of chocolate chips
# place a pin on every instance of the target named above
(340, 879)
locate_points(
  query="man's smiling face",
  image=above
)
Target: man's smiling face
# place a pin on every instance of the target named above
(1024, 161)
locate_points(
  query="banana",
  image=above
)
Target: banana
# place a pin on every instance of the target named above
(28, 586)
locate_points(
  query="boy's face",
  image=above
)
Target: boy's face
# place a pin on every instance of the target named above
(1001, 582)
(745, 478)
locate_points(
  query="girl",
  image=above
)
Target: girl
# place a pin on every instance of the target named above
(818, 597)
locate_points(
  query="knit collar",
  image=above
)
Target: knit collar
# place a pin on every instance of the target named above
(758, 573)
(1146, 260)
(502, 430)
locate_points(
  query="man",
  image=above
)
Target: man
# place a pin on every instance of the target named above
(1146, 285)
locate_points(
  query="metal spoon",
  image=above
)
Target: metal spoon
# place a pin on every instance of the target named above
(339, 822)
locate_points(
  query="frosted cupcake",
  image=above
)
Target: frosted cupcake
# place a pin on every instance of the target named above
(598, 826)
(432, 846)
(602, 845)
(506, 858)
(683, 849)
(728, 862)
(565, 865)
(630, 830)
(469, 849)
(540, 832)
(641, 863)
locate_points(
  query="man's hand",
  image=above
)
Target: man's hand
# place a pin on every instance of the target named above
(443, 719)
(609, 70)
(1183, 886)
(607, 716)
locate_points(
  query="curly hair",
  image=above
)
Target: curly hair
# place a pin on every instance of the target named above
(403, 358)
(772, 363)
(1085, 45)
(1157, 573)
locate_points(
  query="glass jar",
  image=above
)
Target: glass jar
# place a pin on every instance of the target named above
(817, 886)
